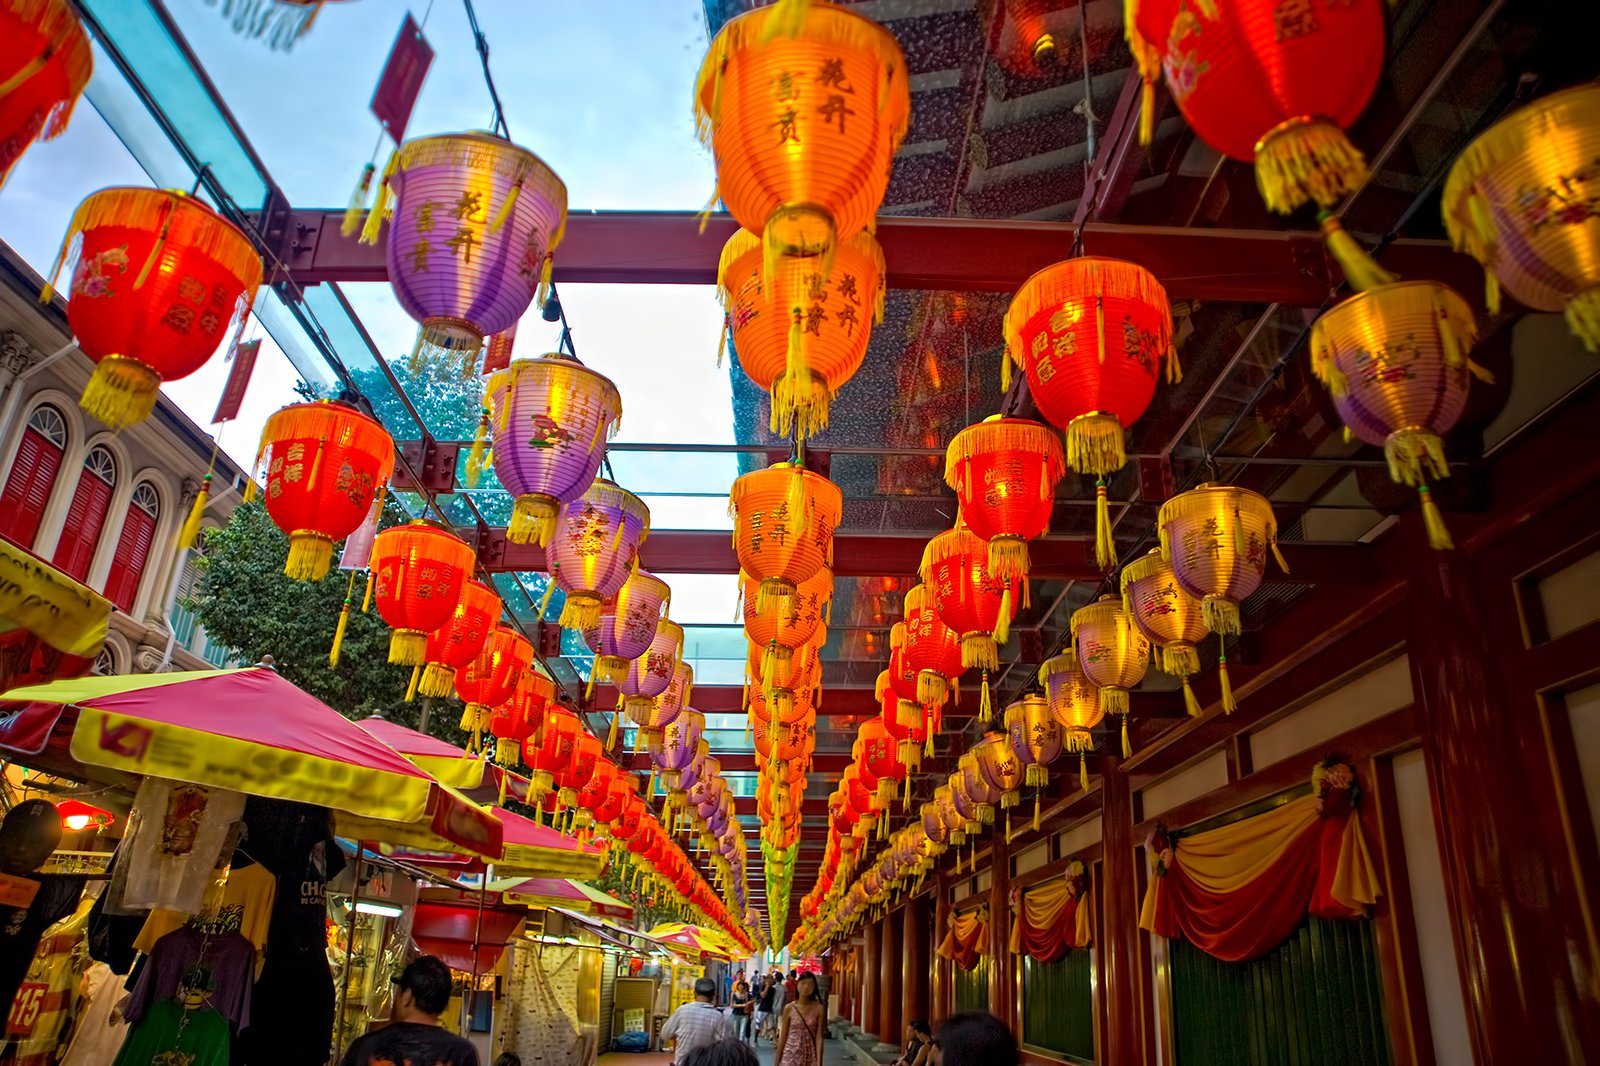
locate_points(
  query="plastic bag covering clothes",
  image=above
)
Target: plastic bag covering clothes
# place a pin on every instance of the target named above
(176, 832)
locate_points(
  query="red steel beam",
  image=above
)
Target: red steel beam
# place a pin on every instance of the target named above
(963, 254)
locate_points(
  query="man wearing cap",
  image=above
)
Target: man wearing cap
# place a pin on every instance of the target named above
(695, 1024)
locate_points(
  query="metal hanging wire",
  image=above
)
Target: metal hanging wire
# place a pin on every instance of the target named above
(481, 42)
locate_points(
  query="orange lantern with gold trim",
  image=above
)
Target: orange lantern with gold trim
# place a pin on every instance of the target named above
(784, 518)
(1090, 334)
(492, 676)
(803, 105)
(1001, 770)
(326, 463)
(548, 758)
(513, 722)
(159, 277)
(1004, 473)
(786, 681)
(46, 61)
(1075, 704)
(931, 647)
(904, 721)
(418, 572)
(798, 332)
(458, 642)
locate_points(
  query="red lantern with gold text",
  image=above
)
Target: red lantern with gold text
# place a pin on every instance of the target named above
(800, 333)
(492, 676)
(1004, 473)
(971, 603)
(326, 463)
(517, 719)
(784, 518)
(587, 754)
(46, 61)
(159, 277)
(418, 572)
(904, 721)
(803, 105)
(1267, 82)
(880, 754)
(596, 796)
(932, 648)
(548, 758)
(457, 643)
(1090, 334)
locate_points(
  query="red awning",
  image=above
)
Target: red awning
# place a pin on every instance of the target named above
(448, 930)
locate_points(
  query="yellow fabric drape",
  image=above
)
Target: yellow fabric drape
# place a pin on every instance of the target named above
(1042, 907)
(1229, 857)
(1355, 880)
(967, 939)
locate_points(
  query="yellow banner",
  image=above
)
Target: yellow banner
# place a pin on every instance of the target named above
(48, 603)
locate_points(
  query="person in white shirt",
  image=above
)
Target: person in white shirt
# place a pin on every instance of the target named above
(697, 1023)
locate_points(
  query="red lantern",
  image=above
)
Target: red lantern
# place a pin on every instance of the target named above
(159, 278)
(880, 758)
(904, 721)
(46, 62)
(971, 603)
(514, 721)
(586, 756)
(458, 642)
(548, 759)
(1004, 473)
(326, 463)
(931, 647)
(491, 678)
(1090, 334)
(418, 572)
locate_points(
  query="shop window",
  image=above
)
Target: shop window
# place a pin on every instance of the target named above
(133, 546)
(87, 513)
(971, 987)
(33, 475)
(1317, 998)
(1058, 1006)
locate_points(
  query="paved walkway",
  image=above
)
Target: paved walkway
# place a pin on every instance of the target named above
(835, 1053)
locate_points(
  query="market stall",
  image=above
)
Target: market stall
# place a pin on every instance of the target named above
(50, 625)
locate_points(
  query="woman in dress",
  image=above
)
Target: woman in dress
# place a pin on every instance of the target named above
(800, 1033)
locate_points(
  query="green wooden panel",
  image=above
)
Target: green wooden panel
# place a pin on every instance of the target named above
(972, 986)
(1058, 1005)
(1315, 1000)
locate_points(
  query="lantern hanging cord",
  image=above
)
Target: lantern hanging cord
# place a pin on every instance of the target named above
(482, 44)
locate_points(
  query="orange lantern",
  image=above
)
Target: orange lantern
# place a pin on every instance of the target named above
(1033, 38)
(1004, 473)
(1089, 333)
(548, 759)
(971, 603)
(326, 463)
(1217, 537)
(418, 572)
(803, 105)
(159, 277)
(1522, 200)
(1075, 704)
(46, 62)
(1171, 618)
(600, 796)
(1395, 360)
(786, 681)
(784, 518)
(587, 754)
(798, 332)
(1112, 653)
(788, 744)
(457, 643)
(492, 676)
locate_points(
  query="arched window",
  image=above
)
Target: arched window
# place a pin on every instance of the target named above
(87, 514)
(133, 546)
(33, 474)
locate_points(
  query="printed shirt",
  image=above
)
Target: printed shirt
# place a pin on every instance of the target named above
(48, 994)
(693, 1025)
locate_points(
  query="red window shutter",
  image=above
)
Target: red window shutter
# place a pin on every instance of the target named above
(28, 487)
(87, 514)
(133, 548)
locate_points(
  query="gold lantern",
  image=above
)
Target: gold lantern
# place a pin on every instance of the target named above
(1524, 200)
(1172, 619)
(1217, 537)
(1001, 770)
(1112, 653)
(1075, 703)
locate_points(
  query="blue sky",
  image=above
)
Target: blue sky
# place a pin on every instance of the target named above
(600, 90)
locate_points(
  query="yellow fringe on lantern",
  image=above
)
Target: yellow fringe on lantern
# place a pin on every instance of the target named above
(121, 392)
(1067, 281)
(1094, 444)
(1008, 559)
(533, 519)
(993, 436)
(1221, 614)
(1360, 269)
(1114, 701)
(1190, 703)
(438, 680)
(191, 525)
(1306, 159)
(1180, 659)
(979, 651)
(1583, 317)
(581, 611)
(407, 647)
(357, 210)
(933, 689)
(344, 621)
(310, 556)
(1105, 545)
(1433, 521)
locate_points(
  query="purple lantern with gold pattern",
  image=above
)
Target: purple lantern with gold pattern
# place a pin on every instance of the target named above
(595, 549)
(628, 623)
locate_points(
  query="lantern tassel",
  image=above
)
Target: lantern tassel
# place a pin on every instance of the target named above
(155, 254)
(1190, 704)
(1083, 771)
(1306, 160)
(1229, 704)
(1005, 371)
(357, 211)
(1105, 549)
(506, 207)
(722, 343)
(985, 700)
(383, 206)
(1360, 269)
(191, 525)
(1433, 521)
(1002, 625)
(1583, 317)
(475, 458)
(1127, 748)
(366, 598)
(121, 392)
(1037, 804)
(545, 273)
(416, 679)
(344, 620)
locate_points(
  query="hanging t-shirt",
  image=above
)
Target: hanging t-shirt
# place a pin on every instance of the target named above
(177, 831)
(229, 958)
(48, 994)
(169, 1035)
(21, 928)
(244, 906)
(99, 1030)
(409, 1042)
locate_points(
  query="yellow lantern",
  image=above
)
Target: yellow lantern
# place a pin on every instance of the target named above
(1524, 200)
(1002, 770)
(1112, 653)
(1217, 537)
(1075, 703)
(1172, 619)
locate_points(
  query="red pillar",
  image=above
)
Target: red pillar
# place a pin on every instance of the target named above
(1002, 966)
(915, 967)
(888, 1028)
(1121, 971)
(1493, 805)
(870, 988)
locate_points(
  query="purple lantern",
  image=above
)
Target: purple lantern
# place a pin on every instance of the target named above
(675, 759)
(628, 623)
(661, 711)
(474, 222)
(703, 793)
(649, 674)
(548, 420)
(595, 549)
